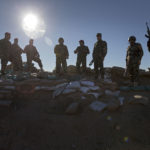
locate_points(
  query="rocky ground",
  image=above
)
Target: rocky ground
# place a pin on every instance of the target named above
(74, 112)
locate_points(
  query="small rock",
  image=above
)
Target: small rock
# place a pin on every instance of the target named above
(75, 84)
(96, 95)
(69, 91)
(121, 100)
(110, 93)
(72, 108)
(87, 83)
(98, 106)
(84, 90)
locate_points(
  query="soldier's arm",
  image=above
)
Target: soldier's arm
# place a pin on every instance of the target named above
(77, 50)
(56, 50)
(25, 49)
(88, 51)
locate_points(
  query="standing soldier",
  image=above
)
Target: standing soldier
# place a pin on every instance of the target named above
(16, 56)
(32, 55)
(99, 53)
(82, 51)
(133, 59)
(62, 54)
(5, 50)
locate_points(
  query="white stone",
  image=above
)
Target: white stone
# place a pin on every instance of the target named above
(84, 89)
(110, 93)
(87, 83)
(74, 85)
(98, 106)
(69, 91)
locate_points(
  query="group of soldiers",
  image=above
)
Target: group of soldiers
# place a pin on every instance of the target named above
(12, 52)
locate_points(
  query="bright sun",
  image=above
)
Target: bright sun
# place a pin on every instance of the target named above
(33, 26)
(30, 22)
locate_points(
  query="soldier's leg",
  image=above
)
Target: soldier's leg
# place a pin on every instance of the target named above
(29, 63)
(84, 64)
(102, 69)
(78, 64)
(58, 64)
(96, 68)
(64, 65)
(3, 65)
(131, 73)
(136, 72)
(20, 64)
(38, 60)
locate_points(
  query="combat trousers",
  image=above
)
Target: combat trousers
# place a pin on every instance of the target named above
(4, 63)
(133, 70)
(99, 68)
(36, 59)
(61, 64)
(81, 60)
(17, 64)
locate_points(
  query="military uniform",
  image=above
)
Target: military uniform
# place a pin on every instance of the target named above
(133, 59)
(62, 54)
(82, 52)
(16, 57)
(5, 51)
(32, 55)
(99, 53)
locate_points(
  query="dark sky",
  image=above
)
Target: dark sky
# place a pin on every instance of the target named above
(80, 19)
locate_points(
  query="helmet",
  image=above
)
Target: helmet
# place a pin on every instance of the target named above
(81, 41)
(99, 34)
(60, 39)
(132, 38)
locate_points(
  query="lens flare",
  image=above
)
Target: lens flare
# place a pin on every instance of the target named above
(33, 26)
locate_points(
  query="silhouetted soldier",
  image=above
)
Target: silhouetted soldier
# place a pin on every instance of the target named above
(133, 59)
(148, 36)
(99, 53)
(82, 51)
(32, 55)
(5, 52)
(16, 56)
(62, 54)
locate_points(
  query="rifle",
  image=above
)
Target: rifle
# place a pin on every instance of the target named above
(92, 61)
(148, 31)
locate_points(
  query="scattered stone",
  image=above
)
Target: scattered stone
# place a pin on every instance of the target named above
(72, 108)
(110, 93)
(75, 84)
(94, 88)
(139, 99)
(96, 95)
(121, 100)
(87, 83)
(84, 89)
(69, 91)
(98, 106)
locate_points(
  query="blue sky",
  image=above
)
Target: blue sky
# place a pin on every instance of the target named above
(80, 19)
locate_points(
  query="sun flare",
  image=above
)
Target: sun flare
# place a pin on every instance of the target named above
(33, 26)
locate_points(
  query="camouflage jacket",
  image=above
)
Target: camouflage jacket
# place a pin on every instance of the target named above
(16, 50)
(5, 48)
(82, 51)
(134, 53)
(61, 51)
(100, 50)
(31, 51)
